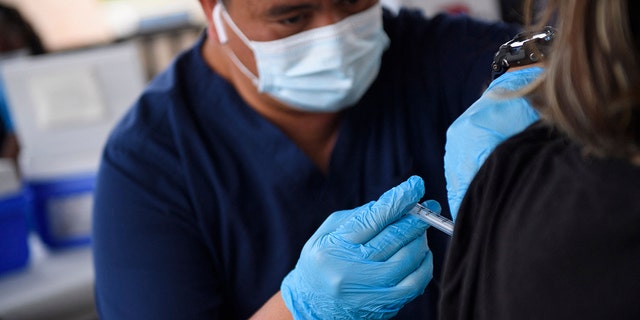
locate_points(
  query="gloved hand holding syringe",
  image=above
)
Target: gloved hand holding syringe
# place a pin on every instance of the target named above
(433, 218)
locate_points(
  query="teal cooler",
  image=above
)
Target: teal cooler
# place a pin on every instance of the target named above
(62, 210)
(14, 232)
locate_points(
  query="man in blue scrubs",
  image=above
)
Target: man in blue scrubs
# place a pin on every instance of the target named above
(284, 112)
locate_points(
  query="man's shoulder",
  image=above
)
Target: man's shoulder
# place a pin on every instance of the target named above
(147, 121)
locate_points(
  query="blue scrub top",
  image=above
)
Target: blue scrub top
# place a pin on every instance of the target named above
(202, 206)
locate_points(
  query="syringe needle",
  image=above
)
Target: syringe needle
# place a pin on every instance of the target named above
(432, 218)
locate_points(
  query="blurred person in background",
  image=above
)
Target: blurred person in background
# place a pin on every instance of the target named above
(17, 38)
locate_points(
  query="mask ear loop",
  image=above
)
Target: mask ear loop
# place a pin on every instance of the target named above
(217, 22)
(222, 36)
(225, 14)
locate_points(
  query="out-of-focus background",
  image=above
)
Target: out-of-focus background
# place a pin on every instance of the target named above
(69, 69)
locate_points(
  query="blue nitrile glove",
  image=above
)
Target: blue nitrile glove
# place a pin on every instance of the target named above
(365, 263)
(489, 121)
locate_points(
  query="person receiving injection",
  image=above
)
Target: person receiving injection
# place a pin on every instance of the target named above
(548, 228)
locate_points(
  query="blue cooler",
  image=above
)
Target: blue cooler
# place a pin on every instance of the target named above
(14, 230)
(62, 210)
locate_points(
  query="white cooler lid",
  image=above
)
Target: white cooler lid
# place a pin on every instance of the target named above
(64, 105)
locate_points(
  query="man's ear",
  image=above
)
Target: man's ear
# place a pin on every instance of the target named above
(207, 7)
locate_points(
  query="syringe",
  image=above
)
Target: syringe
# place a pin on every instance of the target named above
(434, 219)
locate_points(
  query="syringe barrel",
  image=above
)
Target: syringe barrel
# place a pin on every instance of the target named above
(434, 219)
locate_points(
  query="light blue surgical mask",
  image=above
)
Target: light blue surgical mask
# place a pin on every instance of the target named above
(325, 69)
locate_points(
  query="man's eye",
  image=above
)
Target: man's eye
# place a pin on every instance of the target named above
(292, 20)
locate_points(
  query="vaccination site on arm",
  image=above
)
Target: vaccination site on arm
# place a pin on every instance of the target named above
(318, 159)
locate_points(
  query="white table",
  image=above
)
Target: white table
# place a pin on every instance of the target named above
(55, 285)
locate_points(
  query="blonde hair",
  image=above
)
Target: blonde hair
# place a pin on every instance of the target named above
(591, 87)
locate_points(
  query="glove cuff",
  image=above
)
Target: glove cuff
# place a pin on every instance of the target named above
(295, 301)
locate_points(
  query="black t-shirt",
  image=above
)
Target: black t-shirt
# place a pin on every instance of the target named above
(546, 232)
